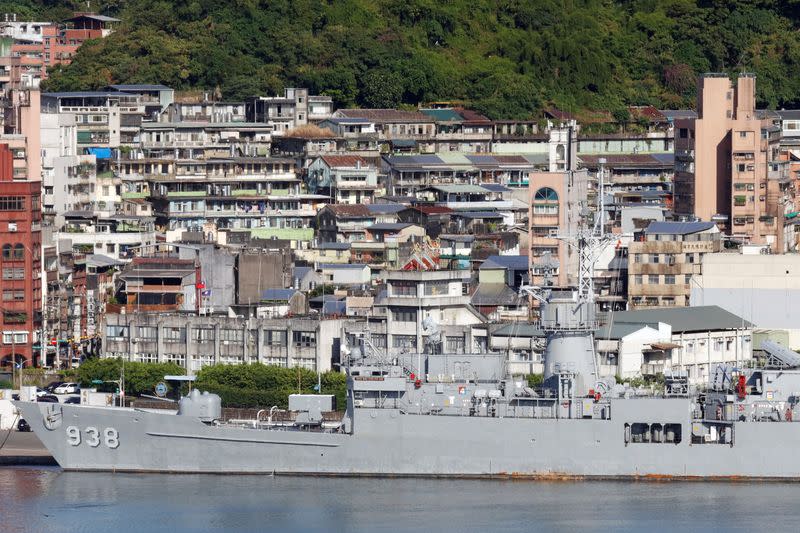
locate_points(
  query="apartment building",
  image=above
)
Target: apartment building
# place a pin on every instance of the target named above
(663, 259)
(558, 201)
(193, 341)
(20, 254)
(345, 179)
(726, 167)
(284, 113)
(41, 45)
(442, 296)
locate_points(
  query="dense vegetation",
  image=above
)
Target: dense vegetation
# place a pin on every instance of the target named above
(254, 385)
(140, 378)
(258, 385)
(508, 58)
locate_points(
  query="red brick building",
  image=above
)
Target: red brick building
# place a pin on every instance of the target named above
(20, 264)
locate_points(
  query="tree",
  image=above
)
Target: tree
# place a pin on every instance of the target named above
(381, 89)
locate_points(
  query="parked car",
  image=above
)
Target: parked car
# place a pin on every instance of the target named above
(23, 425)
(67, 388)
(47, 398)
(73, 399)
(41, 392)
(52, 387)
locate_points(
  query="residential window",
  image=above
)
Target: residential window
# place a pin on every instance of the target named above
(669, 279)
(15, 337)
(404, 341)
(13, 296)
(454, 344)
(172, 334)
(117, 332)
(741, 167)
(683, 133)
(437, 288)
(304, 338)
(13, 273)
(275, 337)
(404, 288)
(654, 258)
(12, 203)
(203, 334)
(231, 335)
(148, 332)
(404, 315)
(652, 279)
(637, 279)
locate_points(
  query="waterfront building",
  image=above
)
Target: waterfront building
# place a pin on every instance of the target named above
(21, 257)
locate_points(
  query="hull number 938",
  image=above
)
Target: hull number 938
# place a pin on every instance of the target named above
(93, 437)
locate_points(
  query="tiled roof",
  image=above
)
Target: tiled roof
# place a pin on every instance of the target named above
(350, 210)
(613, 160)
(348, 161)
(385, 115)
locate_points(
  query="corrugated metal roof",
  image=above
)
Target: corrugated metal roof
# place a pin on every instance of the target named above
(677, 228)
(388, 226)
(492, 294)
(140, 87)
(459, 188)
(513, 262)
(495, 187)
(277, 295)
(385, 208)
(477, 214)
(346, 266)
(700, 318)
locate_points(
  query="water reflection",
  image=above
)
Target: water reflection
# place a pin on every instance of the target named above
(50, 500)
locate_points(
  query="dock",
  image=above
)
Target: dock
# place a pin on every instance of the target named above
(23, 449)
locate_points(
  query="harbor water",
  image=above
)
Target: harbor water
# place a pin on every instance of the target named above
(45, 499)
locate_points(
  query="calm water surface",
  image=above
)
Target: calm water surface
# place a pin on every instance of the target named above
(46, 499)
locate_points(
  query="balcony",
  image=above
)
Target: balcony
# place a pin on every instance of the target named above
(186, 194)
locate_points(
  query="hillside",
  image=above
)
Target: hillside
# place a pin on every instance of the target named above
(507, 58)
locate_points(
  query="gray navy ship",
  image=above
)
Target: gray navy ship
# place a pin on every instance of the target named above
(454, 415)
(462, 415)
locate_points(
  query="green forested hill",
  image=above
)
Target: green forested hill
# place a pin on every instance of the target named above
(508, 58)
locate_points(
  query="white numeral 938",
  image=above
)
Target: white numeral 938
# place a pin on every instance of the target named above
(109, 437)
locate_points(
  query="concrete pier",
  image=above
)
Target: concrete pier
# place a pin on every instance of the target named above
(23, 449)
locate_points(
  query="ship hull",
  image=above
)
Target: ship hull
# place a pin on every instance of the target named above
(387, 442)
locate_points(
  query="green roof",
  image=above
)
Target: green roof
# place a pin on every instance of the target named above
(443, 115)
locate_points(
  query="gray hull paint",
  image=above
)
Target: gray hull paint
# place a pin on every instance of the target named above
(386, 442)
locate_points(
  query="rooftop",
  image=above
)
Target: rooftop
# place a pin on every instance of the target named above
(389, 226)
(350, 210)
(510, 262)
(384, 115)
(684, 319)
(678, 228)
(346, 161)
(277, 295)
(346, 266)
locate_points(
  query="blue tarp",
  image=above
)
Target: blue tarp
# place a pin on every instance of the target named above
(100, 153)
